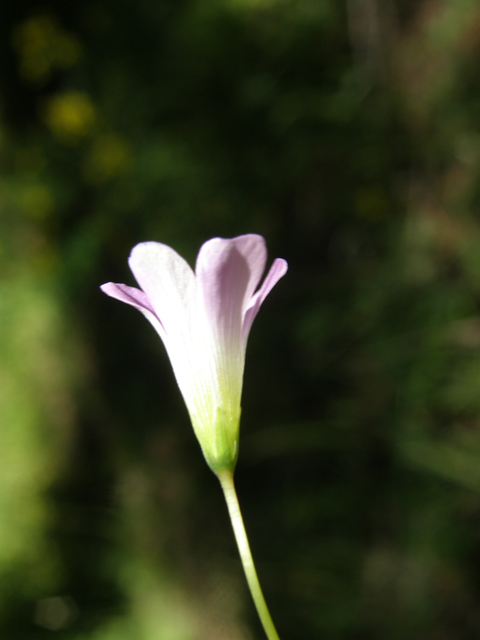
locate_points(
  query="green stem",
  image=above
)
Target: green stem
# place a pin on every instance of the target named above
(226, 480)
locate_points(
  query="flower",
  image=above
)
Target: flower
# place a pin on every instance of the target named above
(204, 318)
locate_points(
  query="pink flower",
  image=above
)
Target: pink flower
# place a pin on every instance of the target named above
(204, 318)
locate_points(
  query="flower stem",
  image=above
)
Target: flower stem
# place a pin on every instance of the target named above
(228, 486)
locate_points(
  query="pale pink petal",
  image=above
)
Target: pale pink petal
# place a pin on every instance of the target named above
(204, 319)
(130, 295)
(277, 271)
(224, 277)
(228, 272)
(136, 298)
(254, 250)
(169, 283)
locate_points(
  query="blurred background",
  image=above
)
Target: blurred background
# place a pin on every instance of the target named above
(347, 132)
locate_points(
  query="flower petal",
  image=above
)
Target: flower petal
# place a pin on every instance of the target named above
(136, 298)
(204, 319)
(226, 271)
(130, 295)
(254, 250)
(169, 284)
(277, 270)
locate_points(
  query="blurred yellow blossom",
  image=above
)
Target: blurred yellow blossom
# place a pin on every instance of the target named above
(70, 116)
(43, 47)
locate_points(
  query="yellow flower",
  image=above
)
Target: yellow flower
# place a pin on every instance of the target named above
(70, 116)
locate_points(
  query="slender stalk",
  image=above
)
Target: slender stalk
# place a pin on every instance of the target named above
(228, 486)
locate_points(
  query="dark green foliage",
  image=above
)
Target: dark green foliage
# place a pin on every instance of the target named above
(347, 133)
